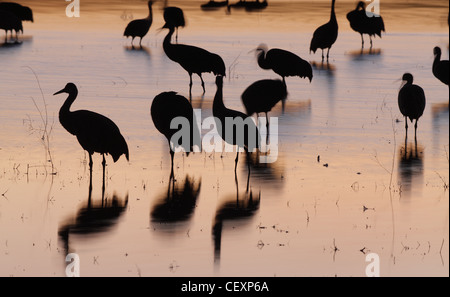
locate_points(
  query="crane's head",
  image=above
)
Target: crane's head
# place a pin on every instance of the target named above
(28, 14)
(219, 80)
(407, 78)
(70, 88)
(361, 5)
(261, 49)
(437, 51)
(169, 26)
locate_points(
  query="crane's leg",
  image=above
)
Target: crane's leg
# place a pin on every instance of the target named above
(248, 165)
(323, 57)
(328, 53)
(132, 39)
(176, 34)
(248, 176)
(371, 43)
(362, 41)
(90, 163)
(406, 123)
(172, 153)
(415, 129)
(267, 128)
(104, 166)
(190, 83)
(236, 160)
(140, 42)
(203, 83)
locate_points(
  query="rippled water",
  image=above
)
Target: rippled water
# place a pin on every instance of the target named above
(346, 183)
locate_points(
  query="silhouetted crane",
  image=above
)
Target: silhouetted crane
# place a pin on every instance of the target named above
(192, 59)
(235, 127)
(440, 67)
(211, 4)
(325, 36)
(139, 28)
(411, 101)
(363, 24)
(10, 22)
(263, 95)
(283, 63)
(174, 16)
(249, 5)
(95, 132)
(24, 13)
(165, 108)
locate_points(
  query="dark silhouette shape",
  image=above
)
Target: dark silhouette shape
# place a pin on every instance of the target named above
(283, 63)
(178, 203)
(245, 133)
(262, 96)
(174, 16)
(139, 28)
(192, 59)
(249, 5)
(94, 218)
(363, 24)
(95, 132)
(325, 36)
(211, 4)
(411, 101)
(441, 68)
(24, 13)
(168, 106)
(10, 22)
(235, 209)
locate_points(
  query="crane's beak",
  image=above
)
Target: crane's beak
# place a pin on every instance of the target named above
(166, 26)
(255, 50)
(59, 92)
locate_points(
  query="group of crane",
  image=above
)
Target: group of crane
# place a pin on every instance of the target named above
(11, 17)
(96, 133)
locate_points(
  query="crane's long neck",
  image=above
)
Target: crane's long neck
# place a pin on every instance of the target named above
(167, 46)
(65, 113)
(333, 14)
(437, 58)
(150, 12)
(218, 105)
(262, 60)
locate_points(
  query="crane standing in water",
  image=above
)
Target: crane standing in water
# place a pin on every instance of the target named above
(440, 67)
(325, 36)
(95, 132)
(139, 28)
(168, 106)
(175, 17)
(193, 59)
(411, 101)
(363, 24)
(283, 63)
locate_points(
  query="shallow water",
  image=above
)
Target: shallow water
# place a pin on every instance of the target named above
(306, 215)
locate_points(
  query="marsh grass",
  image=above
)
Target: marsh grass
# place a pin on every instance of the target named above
(44, 130)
